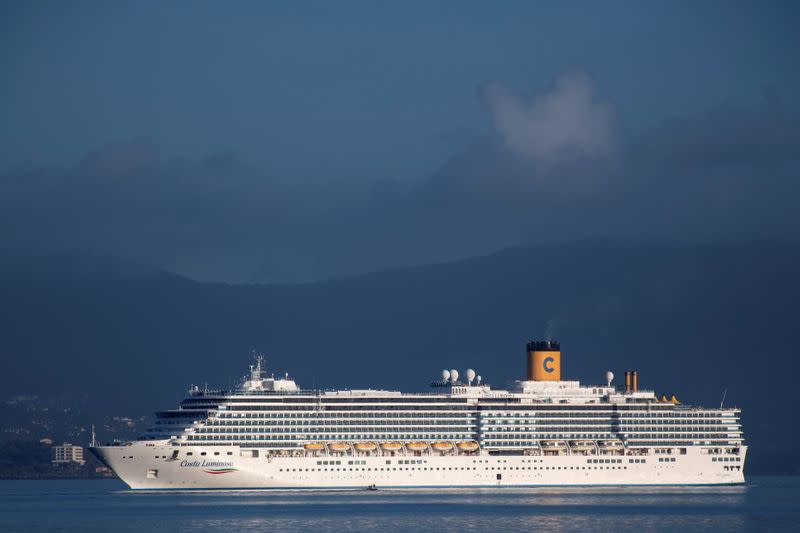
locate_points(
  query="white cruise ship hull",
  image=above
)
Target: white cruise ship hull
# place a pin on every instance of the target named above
(269, 433)
(152, 466)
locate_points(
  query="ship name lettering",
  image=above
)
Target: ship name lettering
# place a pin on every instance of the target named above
(206, 464)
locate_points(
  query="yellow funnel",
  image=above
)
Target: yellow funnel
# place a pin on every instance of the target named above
(544, 361)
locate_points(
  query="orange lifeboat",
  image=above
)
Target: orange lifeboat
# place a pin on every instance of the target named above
(338, 446)
(365, 446)
(313, 446)
(391, 446)
(442, 446)
(416, 446)
(467, 446)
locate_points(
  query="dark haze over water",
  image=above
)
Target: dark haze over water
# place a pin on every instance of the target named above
(765, 503)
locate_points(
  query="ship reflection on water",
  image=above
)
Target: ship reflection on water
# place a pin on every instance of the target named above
(508, 509)
(764, 503)
(546, 509)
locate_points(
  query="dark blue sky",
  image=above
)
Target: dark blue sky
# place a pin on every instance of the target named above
(299, 140)
(361, 88)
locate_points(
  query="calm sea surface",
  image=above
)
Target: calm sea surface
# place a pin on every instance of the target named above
(765, 504)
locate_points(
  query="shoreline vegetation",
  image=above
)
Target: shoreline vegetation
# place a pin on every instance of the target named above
(28, 459)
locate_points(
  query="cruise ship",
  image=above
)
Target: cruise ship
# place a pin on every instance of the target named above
(268, 433)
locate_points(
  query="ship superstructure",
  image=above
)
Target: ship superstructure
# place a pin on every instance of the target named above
(269, 433)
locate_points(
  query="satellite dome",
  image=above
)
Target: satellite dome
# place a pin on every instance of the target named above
(470, 375)
(478, 379)
(609, 377)
(454, 375)
(445, 375)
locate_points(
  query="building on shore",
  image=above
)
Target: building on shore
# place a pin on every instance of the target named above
(68, 453)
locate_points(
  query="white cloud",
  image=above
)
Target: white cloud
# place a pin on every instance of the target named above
(564, 123)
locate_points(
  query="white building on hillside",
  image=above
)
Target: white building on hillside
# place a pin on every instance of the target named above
(68, 453)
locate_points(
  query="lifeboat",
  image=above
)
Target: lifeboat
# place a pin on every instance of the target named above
(442, 446)
(467, 446)
(581, 445)
(610, 445)
(365, 446)
(553, 445)
(313, 446)
(416, 446)
(390, 446)
(338, 446)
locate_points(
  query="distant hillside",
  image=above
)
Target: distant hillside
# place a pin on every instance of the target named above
(694, 320)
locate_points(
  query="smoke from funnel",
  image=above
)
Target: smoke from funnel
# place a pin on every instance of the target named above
(550, 329)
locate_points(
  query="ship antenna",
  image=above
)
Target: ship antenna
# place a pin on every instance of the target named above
(94, 437)
(725, 392)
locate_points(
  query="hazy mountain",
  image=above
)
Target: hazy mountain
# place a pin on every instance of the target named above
(133, 343)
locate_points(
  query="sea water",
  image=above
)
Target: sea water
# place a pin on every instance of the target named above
(763, 504)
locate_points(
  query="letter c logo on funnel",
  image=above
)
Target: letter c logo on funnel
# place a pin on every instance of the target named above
(546, 364)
